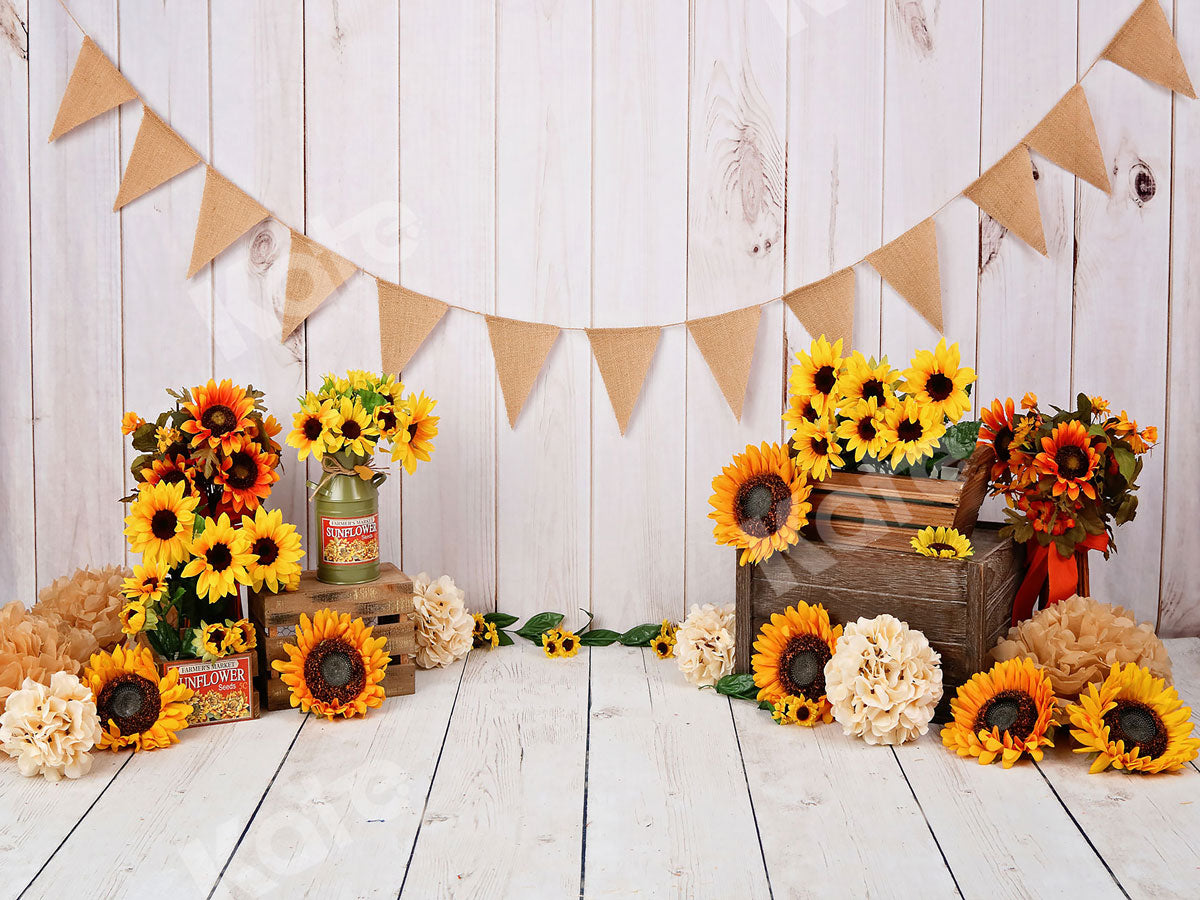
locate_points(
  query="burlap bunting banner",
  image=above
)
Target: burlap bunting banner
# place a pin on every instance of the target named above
(406, 318)
(314, 272)
(95, 87)
(1146, 47)
(158, 155)
(727, 344)
(1008, 193)
(910, 265)
(520, 350)
(1067, 137)
(826, 307)
(226, 213)
(623, 356)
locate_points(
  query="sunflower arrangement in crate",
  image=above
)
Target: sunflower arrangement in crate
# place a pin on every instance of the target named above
(1069, 478)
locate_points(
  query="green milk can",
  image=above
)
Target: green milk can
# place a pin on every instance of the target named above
(347, 519)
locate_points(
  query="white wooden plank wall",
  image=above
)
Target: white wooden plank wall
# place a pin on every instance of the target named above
(588, 164)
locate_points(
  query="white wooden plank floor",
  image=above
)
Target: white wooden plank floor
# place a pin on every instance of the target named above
(510, 775)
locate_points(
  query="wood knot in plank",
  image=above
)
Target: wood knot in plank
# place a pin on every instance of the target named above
(13, 31)
(264, 248)
(991, 236)
(914, 24)
(1142, 186)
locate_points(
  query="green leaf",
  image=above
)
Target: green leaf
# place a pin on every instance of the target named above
(740, 686)
(505, 639)
(599, 637)
(1126, 462)
(769, 707)
(959, 440)
(168, 640)
(499, 619)
(539, 625)
(1085, 407)
(640, 635)
(144, 438)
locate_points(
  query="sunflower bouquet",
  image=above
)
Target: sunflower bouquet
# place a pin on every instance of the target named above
(197, 519)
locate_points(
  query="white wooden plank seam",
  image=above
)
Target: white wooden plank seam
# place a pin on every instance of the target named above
(928, 824)
(762, 853)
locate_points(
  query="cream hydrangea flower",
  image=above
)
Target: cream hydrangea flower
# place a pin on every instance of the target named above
(704, 644)
(50, 729)
(444, 627)
(883, 681)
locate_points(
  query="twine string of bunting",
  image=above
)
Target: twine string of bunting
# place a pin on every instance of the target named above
(1066, 136)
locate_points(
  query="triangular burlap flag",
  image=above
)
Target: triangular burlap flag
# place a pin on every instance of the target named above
(405, 319)
(826, 307)
(624, 356)
(1008, 193)
(910, 265)
(1067, 137)
(520, 349)
(95, 87)
(158, 155)
(727, 343)
(226, 213)
(314, 272)
(1145, 46)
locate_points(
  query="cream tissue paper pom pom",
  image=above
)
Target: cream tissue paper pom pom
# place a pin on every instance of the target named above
(50, 729)
(883, 681)
(704, 644)
(444, 626)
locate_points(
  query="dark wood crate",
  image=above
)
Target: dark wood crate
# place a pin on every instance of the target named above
(963, 606)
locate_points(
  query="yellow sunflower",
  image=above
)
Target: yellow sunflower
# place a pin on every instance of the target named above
(818, 452)
(1133, 721)
(221, 559)
(802, 711)
(147, 582)
(935, 378)
(760, 502)
(133, 617)
(246, 475)
(791, 652)
(335, 666)
(353, 430)
(943, 543)
(816, 374)
(168, 438)
(242, 636)
(214, 640)
(387, 420)
(276, 548)
(663, 645)
(415, 432)
(550, 642)
(218, 412)
(490, 636)
(862, 429)
(159, 524)
(312, 427)
(800, 409)
(864, 379)
(568, 643)
(912, 431)
(131, 422)
(137, 707)
(1004, 712)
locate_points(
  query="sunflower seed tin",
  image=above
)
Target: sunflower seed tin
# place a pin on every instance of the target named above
(347, 520)
(221, 689)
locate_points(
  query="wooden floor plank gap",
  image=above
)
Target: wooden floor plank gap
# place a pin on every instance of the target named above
(750, 794)
(67, 836)
(1075, 822)
(928, 824)
(257, 807)
(587, 761)
(433, 777)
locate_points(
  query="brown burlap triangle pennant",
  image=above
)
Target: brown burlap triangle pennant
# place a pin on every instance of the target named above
(158, 155)
(910, 265)
(727, 344)
(405, 319)
(1067, 137)
(520, 349)
(226, 213)
(1008, 193)
(826, 307)
(314, 272)
(623, 356)
(1146, 47)
(95, 87)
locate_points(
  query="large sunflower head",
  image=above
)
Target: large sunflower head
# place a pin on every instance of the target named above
(246, 474)
(353, 431)
(415, 431)
(1068, 457)
(912, 430)
(1004, 712)
(942, 543)
(818, 452)
(862, 428)
(760, 502)
(220, 561)
(791, 652)
(866, 379)
(1133, 721)
(137, 708)
(312, 427)
(275, 545)
(159, 524)
(217, 413)
(335, 666)
(816, 374)
(935, 378)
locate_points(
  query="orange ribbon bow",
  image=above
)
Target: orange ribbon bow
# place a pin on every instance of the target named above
(1060, 573)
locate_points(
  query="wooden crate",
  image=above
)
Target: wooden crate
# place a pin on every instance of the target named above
(963, 606)
(886, 511)
(388, 601)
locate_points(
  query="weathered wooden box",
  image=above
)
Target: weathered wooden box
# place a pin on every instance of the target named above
(962, 605)
(386, 603)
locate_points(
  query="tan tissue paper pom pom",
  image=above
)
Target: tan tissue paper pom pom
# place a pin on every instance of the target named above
(88, 600)
(32, 647)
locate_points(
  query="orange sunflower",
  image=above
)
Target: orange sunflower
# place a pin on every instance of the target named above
(335, 666)
(791, 652)
(1004, 712)
(246, 473)
(218, 412)
(172, 470)
(137, 707)
(1067, 457)
(760, 502)
(998, 429)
